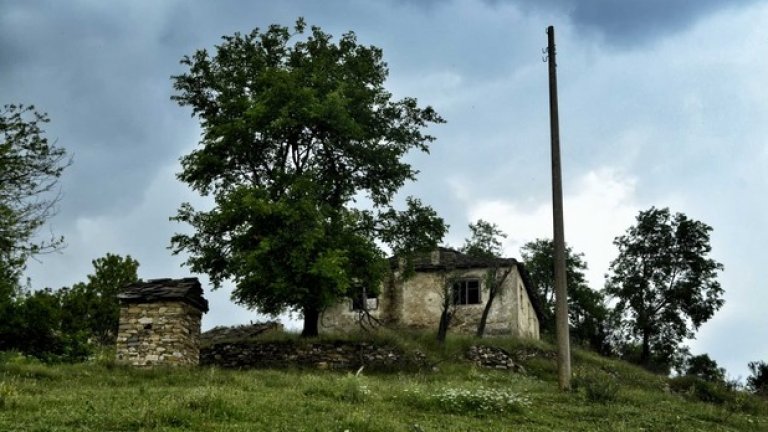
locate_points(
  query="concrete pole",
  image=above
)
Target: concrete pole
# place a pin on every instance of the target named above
(561, 289)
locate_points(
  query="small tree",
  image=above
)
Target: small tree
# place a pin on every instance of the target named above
(587, 312)
(30, 167)
(92, 307)
(705, 368)
(447, 302)
(758, 381)
(292, 134)
(485, 243)
(664, 281)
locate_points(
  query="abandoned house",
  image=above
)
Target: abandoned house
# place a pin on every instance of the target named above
(160, 322)
(445, 277)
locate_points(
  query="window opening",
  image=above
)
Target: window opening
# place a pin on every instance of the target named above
(466, 292)
(364, 301)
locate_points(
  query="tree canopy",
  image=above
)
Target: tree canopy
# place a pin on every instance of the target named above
(485, 242)
(30, 167)
(92, 307)
(586, 307)
(704, 367)
(758, 380)
(664, 282)
(294, 130)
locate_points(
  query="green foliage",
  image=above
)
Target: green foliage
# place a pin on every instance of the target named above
(30, 167)
(588, 314)
(33, 326)
(485, 240)
(597, 386)
(485, 243)
(696, 388)
(294, 130)
(664, 281)
(453, 398)
(65, 325)
(703, 367)
(758, 381)
(91, 307)
(7, 395)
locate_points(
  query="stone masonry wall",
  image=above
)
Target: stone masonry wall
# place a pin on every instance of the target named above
(159, 333)
(330, 355)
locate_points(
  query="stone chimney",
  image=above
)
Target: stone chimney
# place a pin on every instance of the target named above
(160, 322)
(434, 257)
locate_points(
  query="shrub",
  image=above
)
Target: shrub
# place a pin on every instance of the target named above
(353, 390)
(695, 388)
(597, 387)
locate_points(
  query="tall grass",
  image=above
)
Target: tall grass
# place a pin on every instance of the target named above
(454, 396)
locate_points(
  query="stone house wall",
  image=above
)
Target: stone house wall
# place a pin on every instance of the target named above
(159, 333)
(417, 303)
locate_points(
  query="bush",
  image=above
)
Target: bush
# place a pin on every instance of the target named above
(598, 387)
(353, 390)
(695, 388)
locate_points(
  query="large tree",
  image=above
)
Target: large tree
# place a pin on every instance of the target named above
(30, 167)
(664, 281)
(295, 129)
(586, 306)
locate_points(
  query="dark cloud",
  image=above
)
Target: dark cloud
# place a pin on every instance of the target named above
(632, 22)
(104, 81)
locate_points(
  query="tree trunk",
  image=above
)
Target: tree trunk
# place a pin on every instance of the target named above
(645, 356)
(442, 329)
(311, 319)
(486, 311)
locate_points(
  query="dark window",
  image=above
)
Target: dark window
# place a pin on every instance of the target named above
(364, 301)
(466, 292)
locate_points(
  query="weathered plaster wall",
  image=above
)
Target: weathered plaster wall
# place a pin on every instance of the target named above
(417, 303)
(341, 316)
(423, 297)
(160, 333)
(526, 321)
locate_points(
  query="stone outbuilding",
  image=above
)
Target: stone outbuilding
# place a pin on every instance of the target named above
(416, 301)
(160, 322)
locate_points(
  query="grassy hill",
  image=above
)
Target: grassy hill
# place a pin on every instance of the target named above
(451, 394)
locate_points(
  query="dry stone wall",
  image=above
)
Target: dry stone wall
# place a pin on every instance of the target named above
(339, 356)
(159, 333)
(493, 358)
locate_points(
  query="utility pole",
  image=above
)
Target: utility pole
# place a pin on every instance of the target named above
(561, 289)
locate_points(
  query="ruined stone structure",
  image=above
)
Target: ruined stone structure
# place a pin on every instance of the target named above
(160, 322)
(416, 302)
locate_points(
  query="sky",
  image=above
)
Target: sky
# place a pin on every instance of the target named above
(662, 103)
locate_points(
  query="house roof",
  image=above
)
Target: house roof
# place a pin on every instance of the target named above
(187, 290)
(446, 259)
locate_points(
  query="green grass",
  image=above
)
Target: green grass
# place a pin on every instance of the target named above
(451, 396)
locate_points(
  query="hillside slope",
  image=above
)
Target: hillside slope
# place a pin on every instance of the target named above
(450, 393)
